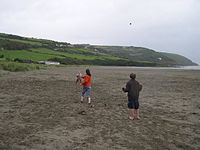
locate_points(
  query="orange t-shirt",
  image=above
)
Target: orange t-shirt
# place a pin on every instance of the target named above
(87, 81)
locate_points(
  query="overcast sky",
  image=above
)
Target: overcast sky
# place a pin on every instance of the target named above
(162, 25)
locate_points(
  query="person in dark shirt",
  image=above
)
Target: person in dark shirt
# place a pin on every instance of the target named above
(133, 88)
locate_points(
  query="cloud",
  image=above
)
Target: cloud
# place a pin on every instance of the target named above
(167, 25)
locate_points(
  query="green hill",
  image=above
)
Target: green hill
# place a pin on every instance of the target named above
(180, 60)
(14, 48)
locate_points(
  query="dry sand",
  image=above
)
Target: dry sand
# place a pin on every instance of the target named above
(41, 110)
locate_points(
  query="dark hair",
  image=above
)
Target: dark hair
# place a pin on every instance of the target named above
(132, 76)
(88, 72)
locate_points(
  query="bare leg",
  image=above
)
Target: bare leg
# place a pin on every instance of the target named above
(131, 114)
(82, 99)
(137, 114)
(134, 113)
(89, 100)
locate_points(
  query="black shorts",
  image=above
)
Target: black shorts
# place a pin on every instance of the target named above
(133, 104)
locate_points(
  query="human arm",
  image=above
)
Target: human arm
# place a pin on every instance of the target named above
(126, 89)
(82, 80)
(140, 87)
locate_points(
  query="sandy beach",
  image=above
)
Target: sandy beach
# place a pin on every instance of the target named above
(41, 110)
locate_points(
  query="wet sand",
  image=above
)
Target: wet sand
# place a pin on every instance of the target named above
(41, 110)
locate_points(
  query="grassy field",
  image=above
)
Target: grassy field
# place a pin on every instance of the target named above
(15, 67)
(25, 41)
(27, 54)
(74, 54)
(45, 54)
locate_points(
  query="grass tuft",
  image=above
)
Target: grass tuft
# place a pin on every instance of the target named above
(17, 67)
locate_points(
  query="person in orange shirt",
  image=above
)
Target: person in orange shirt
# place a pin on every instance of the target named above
(86, 82)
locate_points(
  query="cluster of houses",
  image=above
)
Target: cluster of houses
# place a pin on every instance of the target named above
(38, 62)
(49, 62)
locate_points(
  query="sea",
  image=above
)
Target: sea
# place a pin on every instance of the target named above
(130, 67)
(190, 67)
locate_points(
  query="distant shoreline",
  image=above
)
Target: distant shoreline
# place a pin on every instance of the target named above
(179, 67)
